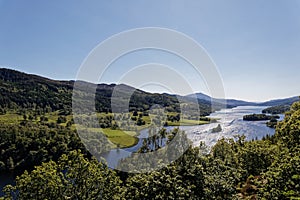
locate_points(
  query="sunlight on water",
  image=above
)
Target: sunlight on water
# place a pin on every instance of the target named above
(231, 121)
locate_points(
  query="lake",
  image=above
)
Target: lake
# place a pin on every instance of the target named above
(231, 121)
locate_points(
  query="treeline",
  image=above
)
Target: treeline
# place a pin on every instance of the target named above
(231, 169)
(24, 91)
(259, 117)
(277, 109)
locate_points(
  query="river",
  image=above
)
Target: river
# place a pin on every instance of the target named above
(231, 121)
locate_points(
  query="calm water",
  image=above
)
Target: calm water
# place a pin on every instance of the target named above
(6, 178)
(231, 121)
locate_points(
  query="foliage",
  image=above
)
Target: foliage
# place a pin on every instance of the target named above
(180, 180)
(24, 146)
(277, 109)
(282, 180)
(72, 177)
(259, 117)
(288, 131)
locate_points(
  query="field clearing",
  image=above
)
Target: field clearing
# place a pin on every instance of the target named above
(121, 138)
(118, 138)
(11, 118)
(187, 122)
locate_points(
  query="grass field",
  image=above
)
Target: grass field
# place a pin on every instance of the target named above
(121, 138)
(11, 118)
(187, 122)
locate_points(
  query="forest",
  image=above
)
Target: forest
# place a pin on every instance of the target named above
(37, 137)
(231, 169)
(277, 109)
(259, 117)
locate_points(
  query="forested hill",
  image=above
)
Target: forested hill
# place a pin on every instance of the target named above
(20, 90)
(26, 91)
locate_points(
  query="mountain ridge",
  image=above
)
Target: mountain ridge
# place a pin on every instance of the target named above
(19, 89)
(237, 102)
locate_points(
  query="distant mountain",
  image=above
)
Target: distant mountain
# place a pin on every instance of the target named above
(200, 96)
(234, 102)
(229, 102)
(277, 102)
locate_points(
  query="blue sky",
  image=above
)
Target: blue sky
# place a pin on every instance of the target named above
(255, 44)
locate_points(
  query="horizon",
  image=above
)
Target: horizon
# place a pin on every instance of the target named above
(150, 91)
(253, 44)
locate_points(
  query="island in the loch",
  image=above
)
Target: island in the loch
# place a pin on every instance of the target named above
(217, 129)
(259, 117)
(272, 119)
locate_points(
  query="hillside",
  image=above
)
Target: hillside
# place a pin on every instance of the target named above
(277, 109)
(26, 91)
(277, 102)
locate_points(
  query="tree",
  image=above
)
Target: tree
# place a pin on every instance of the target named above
(61, 119)
(2, 111)
(282, 179)
(181, 180)
(72, 177)
(135, 113)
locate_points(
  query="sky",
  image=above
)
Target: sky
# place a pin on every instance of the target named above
(254, 44)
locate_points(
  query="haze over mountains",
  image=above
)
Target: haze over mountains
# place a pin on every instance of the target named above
(235, 102)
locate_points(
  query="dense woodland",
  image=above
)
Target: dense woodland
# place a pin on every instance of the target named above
(57, 166)
(259, 117)
(277, 109)
(232, 169)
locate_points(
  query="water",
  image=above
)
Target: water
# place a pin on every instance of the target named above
(113, 156)
(5, 179)
(231, 121)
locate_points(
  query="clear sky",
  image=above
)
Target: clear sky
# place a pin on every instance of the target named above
(255, 44)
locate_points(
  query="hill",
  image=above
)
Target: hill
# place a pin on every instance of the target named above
(26, 91)
(277, 102)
